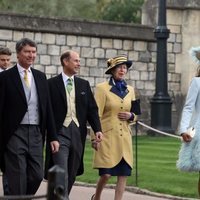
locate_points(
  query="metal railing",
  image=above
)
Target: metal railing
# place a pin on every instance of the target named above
(136, 143)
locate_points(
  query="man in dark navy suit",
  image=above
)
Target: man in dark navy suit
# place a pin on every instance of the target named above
(25, 115)
(73, 106)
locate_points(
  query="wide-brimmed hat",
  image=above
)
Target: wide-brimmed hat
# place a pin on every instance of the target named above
(195, 54)
(118, 60)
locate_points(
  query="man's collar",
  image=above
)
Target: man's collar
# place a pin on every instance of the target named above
(21, 69)
(65, 77)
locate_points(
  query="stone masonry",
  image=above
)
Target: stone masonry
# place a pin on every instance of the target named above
(96, 42)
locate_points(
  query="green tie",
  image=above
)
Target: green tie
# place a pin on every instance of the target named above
(69, 85)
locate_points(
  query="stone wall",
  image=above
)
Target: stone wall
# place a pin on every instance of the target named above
(96, 42)
(183, 20)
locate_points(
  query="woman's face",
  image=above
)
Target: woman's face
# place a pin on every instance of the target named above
(119, 72)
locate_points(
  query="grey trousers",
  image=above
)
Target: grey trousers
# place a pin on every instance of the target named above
(69, 155)
(24, 160)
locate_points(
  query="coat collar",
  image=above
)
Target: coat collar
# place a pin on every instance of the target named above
(61, 87)
(15, 76)
(115, 90)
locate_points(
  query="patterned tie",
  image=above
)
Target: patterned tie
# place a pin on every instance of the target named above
(69, 85)
(26, 78)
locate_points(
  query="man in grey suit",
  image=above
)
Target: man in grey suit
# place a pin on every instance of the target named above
(25, 115)
(73, 106)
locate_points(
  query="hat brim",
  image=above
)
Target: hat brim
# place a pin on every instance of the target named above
(128, 64)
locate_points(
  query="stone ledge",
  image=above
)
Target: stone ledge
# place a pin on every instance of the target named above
(76, 27)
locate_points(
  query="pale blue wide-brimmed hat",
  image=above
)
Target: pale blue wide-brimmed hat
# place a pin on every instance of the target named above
(195, 54)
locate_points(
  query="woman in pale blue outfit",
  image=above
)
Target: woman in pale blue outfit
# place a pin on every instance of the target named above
(189, 155)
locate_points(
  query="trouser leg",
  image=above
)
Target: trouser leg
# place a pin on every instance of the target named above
(61, 158)
(69, 155)
(34, 161)
(15, 166)
(5, 184)
(23, 161)
(74, 155)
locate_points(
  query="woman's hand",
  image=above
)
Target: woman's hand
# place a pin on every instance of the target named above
(95, 144)
(124, 116)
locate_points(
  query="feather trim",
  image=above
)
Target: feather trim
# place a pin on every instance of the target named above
(189, 155)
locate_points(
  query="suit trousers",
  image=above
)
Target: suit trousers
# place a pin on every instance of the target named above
(69, 155)
(5, 185)
(24, 160)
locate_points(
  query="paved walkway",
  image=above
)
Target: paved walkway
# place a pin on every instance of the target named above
(84, 192)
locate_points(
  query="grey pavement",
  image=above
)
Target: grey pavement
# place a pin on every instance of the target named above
(81, 191)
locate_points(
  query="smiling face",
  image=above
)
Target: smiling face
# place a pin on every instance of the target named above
(26, 56)
(119, 72)
(71, 64)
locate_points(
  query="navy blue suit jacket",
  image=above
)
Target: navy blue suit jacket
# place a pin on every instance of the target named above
(86, 107)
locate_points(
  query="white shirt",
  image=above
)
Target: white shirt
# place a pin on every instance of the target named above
(65, 78)
(1, 69)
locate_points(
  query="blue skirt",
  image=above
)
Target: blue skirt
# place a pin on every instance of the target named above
(121, 169)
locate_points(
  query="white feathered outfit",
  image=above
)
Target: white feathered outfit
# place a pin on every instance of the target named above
(189, 154)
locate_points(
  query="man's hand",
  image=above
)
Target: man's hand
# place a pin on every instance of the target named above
(186, 137)
(54, 146)
(96, 142)
(98, 136)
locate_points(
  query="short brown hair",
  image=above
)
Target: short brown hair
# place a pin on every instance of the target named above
(23, 42)
(65, 55)
(5, 51)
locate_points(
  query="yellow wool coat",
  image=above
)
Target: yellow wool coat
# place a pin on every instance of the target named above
(117, 136)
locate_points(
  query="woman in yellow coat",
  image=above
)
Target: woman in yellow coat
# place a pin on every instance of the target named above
(118, 108)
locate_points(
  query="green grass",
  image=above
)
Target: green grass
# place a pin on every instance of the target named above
(156, 168)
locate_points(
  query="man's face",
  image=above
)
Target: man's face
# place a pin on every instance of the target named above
(26, 56)
(72, 65)
(4, 61)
